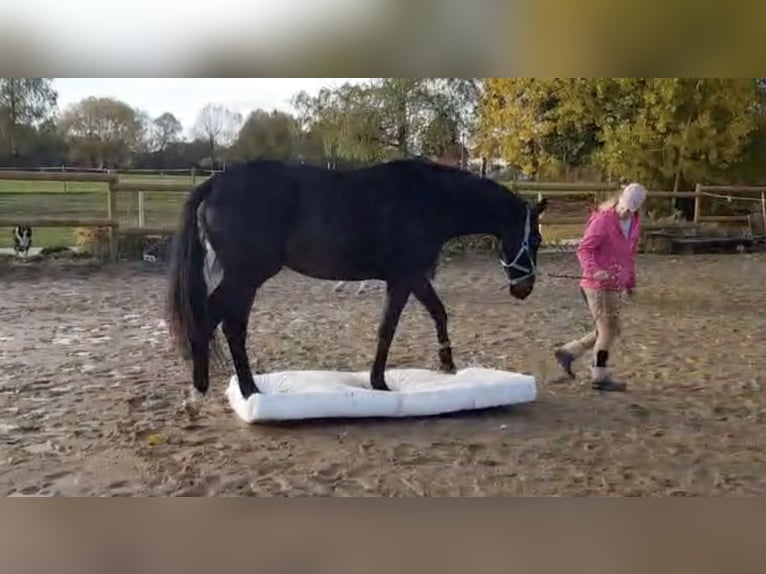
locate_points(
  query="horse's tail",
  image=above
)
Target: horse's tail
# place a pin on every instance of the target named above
(187, 290)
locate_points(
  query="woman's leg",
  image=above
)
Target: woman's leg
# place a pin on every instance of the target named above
(605, 307)
(567, 354)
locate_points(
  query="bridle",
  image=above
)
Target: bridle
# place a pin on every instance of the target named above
(529, 271)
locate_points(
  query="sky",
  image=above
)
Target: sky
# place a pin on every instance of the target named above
(185, 97)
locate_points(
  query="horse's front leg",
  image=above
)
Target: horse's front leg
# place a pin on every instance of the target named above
(424, 292)
(396, 298)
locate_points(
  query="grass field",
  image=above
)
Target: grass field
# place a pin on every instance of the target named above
(68, 200)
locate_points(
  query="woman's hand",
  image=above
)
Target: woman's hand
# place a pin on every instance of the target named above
(602, 275)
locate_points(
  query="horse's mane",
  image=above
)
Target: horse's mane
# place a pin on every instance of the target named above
(455, 179)
(490, 185)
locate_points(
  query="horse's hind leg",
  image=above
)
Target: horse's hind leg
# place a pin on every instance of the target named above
(201, 343)
(424, 292)
(239, 299)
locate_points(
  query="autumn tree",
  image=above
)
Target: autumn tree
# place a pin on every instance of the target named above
(681, 130)
(664, 131)
(102, 131)
(541, 126)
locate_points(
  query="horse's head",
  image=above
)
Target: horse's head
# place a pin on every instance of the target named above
(519, 243)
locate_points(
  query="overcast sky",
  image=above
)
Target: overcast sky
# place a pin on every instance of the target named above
(185, 97)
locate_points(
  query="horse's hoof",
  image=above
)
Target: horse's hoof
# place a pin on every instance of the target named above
(248, 393)
(380, 386)
(448, 369)
(192, 406)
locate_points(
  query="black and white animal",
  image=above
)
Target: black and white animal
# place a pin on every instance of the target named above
(361, 289)
(22, 239)
(365, 285)
(387, 223)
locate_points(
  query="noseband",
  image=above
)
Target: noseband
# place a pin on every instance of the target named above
(523, 249)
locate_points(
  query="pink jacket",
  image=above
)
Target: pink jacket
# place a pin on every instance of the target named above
(604, 247)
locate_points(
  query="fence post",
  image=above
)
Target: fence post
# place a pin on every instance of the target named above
(111, 210)
(763, 211)
(697, 203)
(141, 215)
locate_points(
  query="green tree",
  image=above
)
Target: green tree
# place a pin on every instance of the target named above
(267, 134)
(166, 129)
(441, 135)
(24, 103)
(388, 118)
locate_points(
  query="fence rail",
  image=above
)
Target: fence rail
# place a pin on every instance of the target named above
(83, 177)
(142, 187)
(525, 188)
(55, 222)
(565, 193)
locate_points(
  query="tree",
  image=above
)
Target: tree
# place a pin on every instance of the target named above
(440, 136)
(166, 129)
(540, 126)
(666, 132)
(458, 99)
(267, 134)
(24, 102)
(388, 117)
(682, 129)
(102, 131)
(348, 121)
(144, 141)
(218, 125)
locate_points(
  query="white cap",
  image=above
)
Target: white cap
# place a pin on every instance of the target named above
(632, 196)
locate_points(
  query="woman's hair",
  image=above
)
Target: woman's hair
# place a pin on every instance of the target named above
(611, 202)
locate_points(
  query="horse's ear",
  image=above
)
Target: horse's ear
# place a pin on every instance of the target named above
(541, 205)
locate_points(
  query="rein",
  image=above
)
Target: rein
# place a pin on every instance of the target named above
(531, 270)
(557, 276)
(565, 276)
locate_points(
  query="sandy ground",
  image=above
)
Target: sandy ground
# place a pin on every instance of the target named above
(90, 392)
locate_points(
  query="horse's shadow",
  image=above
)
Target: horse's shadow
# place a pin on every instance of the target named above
(501, 415)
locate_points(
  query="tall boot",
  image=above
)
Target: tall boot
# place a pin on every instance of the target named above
(565, 359)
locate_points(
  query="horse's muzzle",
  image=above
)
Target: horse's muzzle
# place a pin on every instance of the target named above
(522, 290)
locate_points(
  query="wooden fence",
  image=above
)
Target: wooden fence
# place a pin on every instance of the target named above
(529, 189)
(110, 222)
(700, 195)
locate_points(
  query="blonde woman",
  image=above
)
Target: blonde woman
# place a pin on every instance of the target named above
(607, 255)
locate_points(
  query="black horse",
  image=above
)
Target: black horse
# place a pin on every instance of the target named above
(386, 222)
